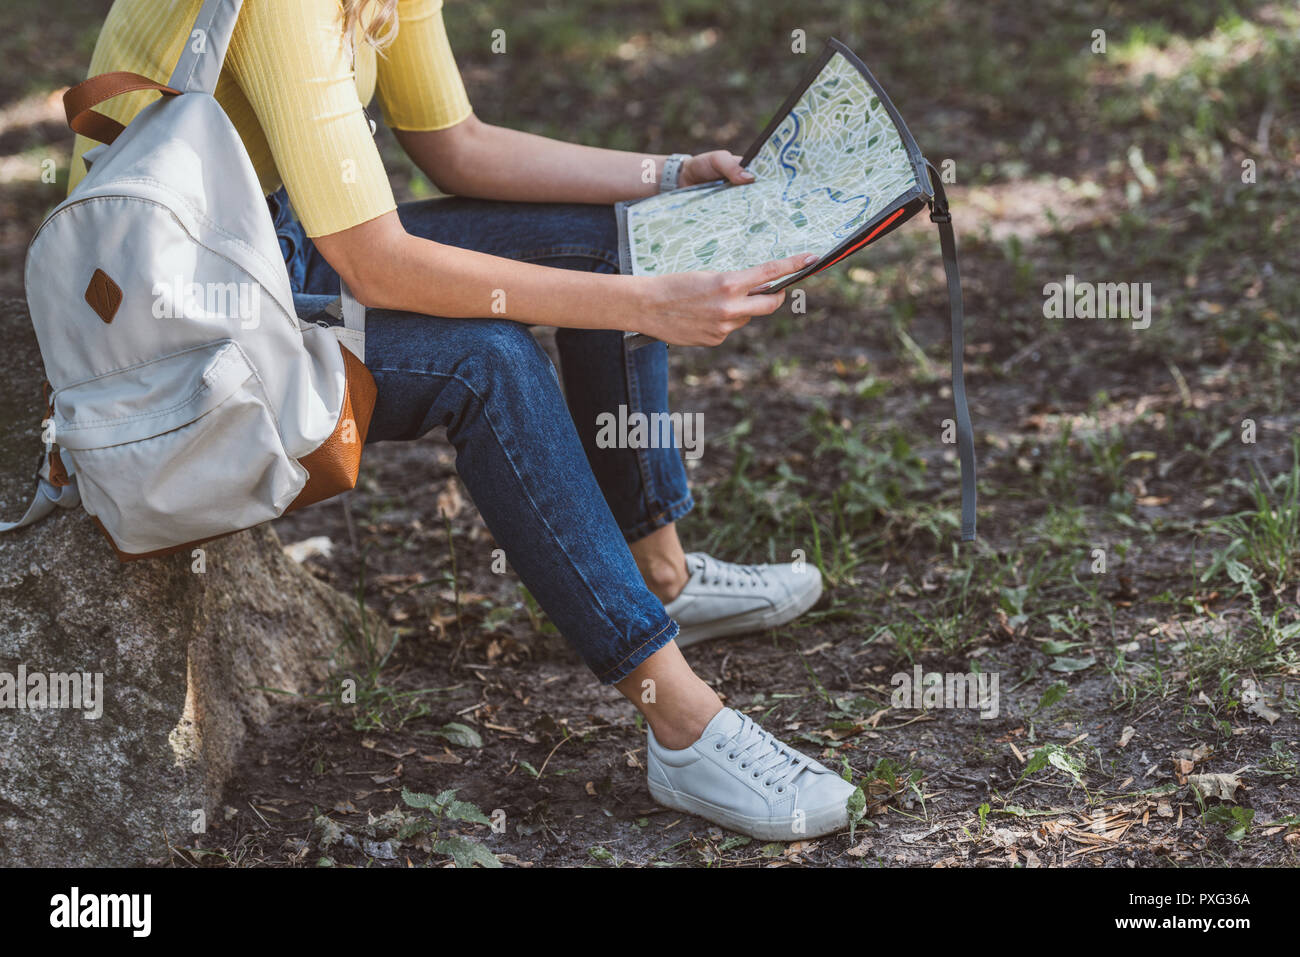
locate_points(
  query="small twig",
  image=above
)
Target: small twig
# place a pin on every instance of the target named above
(455, 576)
(548, 757)
(1265, 121)
(1019, 354)
(954, 776)
(258, 813)
(352, 530)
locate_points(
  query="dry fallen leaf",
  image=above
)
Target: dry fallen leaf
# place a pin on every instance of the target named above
(1126, 735)
(1221, 786)
(1196, 755)
(876, 716)
(1252, 699)
(1003, 836)
(445, 758)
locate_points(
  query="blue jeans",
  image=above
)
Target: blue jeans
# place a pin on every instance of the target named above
(562, 508)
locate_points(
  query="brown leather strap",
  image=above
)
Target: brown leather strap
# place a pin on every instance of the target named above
(79, 101)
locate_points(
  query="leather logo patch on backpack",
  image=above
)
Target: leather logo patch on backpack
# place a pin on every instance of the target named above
(103, 295)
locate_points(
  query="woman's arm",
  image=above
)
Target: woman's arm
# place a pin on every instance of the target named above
(478, 159)
(386, 267)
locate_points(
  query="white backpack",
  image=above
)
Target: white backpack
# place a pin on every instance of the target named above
(187, 401)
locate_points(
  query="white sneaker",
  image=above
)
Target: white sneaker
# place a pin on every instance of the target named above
(723, 599)
(741, 777)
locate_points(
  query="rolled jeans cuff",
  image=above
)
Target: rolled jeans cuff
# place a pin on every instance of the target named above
(628, 663)
(658, 519)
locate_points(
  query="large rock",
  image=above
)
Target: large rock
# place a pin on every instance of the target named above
(184, 658)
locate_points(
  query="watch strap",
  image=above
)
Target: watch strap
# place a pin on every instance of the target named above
(672, 171)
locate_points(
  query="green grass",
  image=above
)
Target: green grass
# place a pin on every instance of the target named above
(1266, 536)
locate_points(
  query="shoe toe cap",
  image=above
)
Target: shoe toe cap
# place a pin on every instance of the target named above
(797, 581)
(823, 788)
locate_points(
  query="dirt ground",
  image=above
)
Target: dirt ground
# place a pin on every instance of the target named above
(1136, 585)
(563, 759)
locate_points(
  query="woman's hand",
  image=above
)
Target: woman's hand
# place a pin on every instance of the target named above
(716, 164)
(703, 308)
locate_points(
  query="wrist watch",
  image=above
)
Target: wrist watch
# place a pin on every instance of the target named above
(672, 171)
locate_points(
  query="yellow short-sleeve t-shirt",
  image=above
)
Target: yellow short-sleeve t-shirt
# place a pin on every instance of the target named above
(290, 89)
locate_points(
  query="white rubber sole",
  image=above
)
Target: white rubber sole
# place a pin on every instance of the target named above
(751, 621)
(815, 823)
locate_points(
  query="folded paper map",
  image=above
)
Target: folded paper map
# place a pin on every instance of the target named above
(834, 170)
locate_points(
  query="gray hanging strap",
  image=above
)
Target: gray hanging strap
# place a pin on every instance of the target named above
(354, 313)
(48, 497)
(205, 48)
(965, 437)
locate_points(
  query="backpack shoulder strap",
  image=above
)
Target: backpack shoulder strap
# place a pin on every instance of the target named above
(197, 70)
(56, 485)
(48, 496)
(353, 331)
(940, 215)
(204, 53)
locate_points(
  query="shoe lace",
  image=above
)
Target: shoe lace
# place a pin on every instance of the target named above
(715, 572)
(762, 754)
